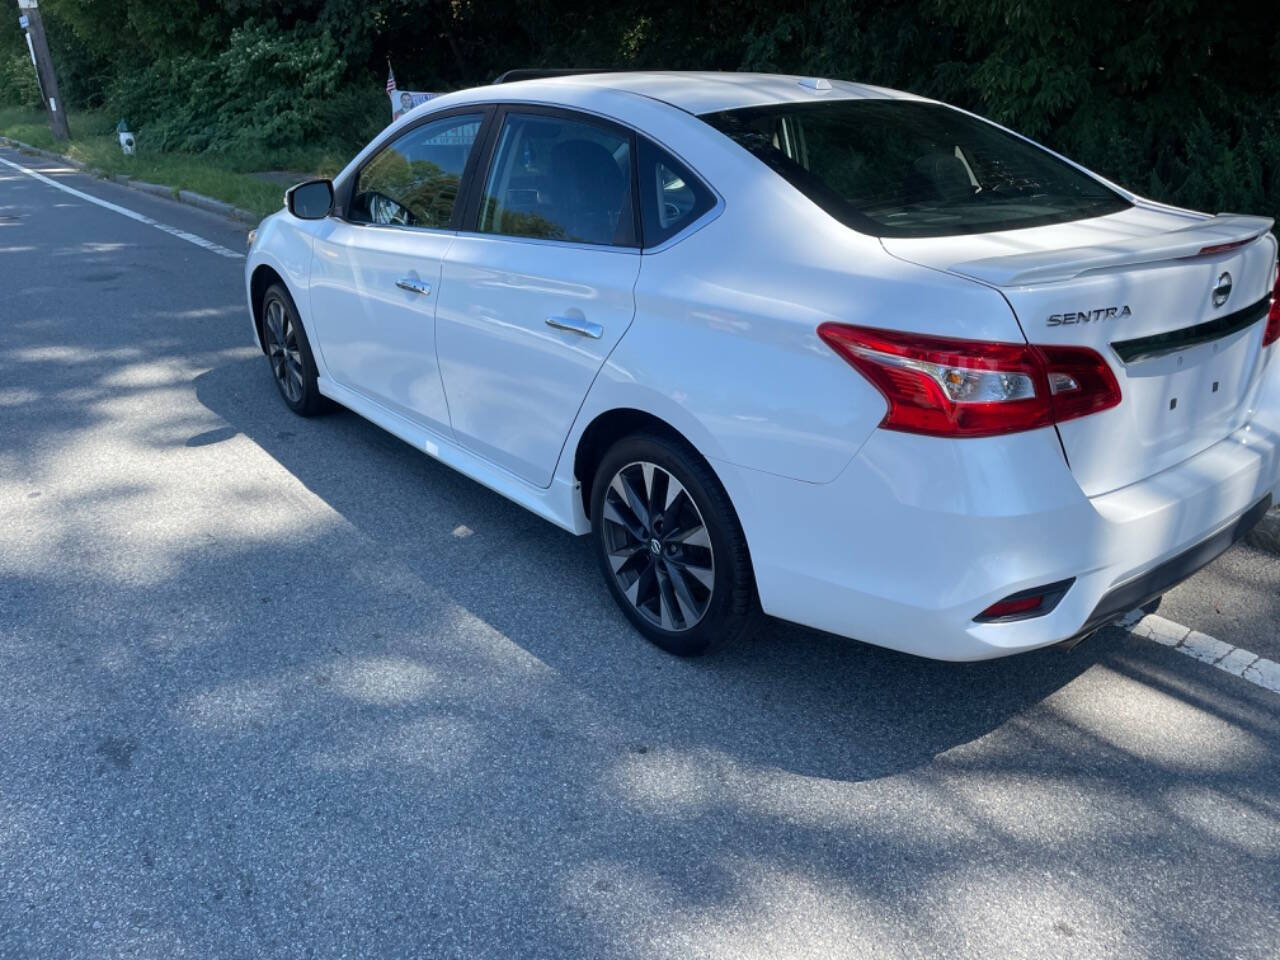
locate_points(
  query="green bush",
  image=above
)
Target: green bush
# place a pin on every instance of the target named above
(18, 87)
(267, 90)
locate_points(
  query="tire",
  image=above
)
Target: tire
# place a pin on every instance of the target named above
(293, 366)
(676, 563)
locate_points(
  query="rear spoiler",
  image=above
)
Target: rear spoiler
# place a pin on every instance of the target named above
(538, 73)
(1205, 237)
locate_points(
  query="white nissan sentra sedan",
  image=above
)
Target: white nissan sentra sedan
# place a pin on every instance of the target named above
(843, 355)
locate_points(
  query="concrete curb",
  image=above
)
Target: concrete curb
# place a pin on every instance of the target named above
(155, 189)
(1266, 535)
(216, 206)
(189, 197)
(46, 154)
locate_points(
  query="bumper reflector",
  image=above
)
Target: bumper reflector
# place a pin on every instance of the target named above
(1026, 604)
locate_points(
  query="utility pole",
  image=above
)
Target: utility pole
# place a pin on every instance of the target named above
(38, 44)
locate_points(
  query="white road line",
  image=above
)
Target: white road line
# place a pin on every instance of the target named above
(1234, 660)
(131, 214)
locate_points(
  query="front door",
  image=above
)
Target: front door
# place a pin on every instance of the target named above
(534, 298)
(376, 273)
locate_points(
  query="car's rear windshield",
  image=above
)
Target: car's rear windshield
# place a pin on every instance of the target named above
(895, 168)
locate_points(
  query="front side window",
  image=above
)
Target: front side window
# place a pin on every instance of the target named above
(555, 178)
(414, 181)
(894, 168)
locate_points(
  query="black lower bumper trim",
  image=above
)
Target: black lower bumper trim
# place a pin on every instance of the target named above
(1139, 592)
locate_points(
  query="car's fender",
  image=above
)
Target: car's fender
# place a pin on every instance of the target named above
(284, 244)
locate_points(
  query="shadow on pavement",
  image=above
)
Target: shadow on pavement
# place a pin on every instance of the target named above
(360, 705)
(797, 699)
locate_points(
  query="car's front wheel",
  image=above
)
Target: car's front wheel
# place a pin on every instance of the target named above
(289, 352)
(670, 546)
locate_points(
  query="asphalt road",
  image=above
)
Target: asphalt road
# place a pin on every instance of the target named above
(283, 688)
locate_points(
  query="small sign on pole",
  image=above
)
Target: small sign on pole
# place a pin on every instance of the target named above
(402, 101)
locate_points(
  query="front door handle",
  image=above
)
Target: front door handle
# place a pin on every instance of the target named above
(583, 328)
(414, 286)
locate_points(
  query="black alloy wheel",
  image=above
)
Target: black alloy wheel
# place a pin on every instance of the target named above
(289, 352)
(670, 546)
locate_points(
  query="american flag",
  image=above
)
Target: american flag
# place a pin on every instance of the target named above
(391, 80)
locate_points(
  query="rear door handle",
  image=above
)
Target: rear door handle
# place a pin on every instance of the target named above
(414, 286)
(584, 328)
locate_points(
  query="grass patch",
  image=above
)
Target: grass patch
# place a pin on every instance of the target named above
(29, 126)
(225, 178)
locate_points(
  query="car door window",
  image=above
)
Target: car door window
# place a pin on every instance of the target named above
(556, 178)
(671, 197)
(414, 181)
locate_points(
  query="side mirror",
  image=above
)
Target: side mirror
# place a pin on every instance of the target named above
(312, 200)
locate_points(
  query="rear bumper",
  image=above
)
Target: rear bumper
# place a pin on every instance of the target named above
(919, 535)
(1142, 590)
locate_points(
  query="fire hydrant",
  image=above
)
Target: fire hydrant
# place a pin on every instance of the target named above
(126, 138)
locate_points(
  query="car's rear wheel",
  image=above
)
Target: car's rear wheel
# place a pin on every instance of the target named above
(292, 364)
(670, 546)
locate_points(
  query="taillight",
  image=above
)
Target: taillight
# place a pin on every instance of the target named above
(1080, 382)
(1217, 248)
(1272, 333)
(971, 388)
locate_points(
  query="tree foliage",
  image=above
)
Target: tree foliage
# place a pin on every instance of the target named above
(1177, 99)
(18, 87)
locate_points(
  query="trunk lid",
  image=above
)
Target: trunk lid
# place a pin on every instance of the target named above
(1147, 289)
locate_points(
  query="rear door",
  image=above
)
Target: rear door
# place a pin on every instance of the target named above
(1173, 302)
(539, 289)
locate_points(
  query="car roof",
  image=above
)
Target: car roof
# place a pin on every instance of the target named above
(709, 92)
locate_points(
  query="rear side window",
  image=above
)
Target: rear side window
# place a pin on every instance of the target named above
(671, 197)
(413, 181)
(895, 168)
(557, 178)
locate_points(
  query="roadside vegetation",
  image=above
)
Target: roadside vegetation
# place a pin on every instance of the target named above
(223, 178)
(1177, 99)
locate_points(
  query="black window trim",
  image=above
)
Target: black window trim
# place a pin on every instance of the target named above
(471, 216)
(473, 178)
(344, 191)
